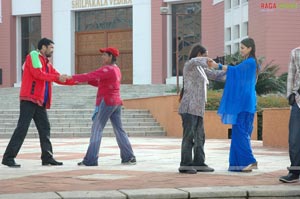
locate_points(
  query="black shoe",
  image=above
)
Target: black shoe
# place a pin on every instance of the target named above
(51, 162)
(291, 177)
(132, 161)
(11, 163)
(204, 168)
(83, 164)
(187, 170)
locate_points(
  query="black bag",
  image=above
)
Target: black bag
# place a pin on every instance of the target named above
(292, 99)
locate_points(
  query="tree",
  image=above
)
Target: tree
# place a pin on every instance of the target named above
(268, 81)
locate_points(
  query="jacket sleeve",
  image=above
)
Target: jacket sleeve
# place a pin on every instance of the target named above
(92, 77)
(216, 75)
(291, 75)
(212, 74)
(69, 82)
(38, 73)
(94, 83)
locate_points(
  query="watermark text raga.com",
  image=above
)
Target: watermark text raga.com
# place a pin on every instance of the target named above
(273, 5)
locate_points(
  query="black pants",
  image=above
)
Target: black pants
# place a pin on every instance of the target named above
(29, 111)
(193, 140)
(294, 139)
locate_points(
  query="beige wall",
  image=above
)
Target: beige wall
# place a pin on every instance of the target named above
(275, 127)
(165, 111)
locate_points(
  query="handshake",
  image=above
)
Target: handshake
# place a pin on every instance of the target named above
(211, 63)
(63, 78)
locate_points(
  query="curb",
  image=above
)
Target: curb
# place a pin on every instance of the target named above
(272, 191)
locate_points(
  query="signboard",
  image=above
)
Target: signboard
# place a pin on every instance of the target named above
(84, 4)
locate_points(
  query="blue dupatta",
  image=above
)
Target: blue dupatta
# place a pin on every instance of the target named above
(239, 93)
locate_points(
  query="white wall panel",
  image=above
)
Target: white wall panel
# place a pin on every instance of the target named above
(142, 61)
(26, 7)
(63, 36)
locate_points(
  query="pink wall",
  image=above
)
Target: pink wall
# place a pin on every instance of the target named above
(8, 39)
(276, 31)
(8, 45)
(46, 19)
(213, 28)
(256, 27)
(158, 41)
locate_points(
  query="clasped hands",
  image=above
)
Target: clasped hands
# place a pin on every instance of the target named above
(211, 63)
(63, 78)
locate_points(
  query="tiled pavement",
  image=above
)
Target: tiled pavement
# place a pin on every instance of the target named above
(154, 176)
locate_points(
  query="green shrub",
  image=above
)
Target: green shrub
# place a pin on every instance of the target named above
(272, 101)
(213, 99)
(267, 101)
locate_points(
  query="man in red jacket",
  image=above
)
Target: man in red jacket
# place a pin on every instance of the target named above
(35, 98)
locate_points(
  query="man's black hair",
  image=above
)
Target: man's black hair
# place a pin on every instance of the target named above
(44, 41)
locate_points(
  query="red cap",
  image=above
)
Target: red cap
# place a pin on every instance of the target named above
(113, 51)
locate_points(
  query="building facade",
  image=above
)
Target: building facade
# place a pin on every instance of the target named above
(154, 36)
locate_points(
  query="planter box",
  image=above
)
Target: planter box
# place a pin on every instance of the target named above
(165, 110)
(275, 127)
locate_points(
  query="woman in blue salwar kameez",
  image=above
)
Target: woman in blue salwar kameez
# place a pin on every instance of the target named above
(238, 106)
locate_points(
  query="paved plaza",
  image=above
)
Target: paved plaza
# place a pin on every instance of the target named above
(154, 176)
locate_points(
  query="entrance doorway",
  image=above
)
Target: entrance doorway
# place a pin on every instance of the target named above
(102, 28)
(88, 55)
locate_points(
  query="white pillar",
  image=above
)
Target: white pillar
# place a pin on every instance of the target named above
(142, 57)
(63, 37)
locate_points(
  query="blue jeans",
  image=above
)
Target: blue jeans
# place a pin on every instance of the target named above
(294, 139)
(114, 114)
(193, 139)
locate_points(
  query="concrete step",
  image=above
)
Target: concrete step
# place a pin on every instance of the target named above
(67, 116)
(77, 123)
(59, 134)
(72, 109)
(85, 120)
(12, 124)
(83, 96)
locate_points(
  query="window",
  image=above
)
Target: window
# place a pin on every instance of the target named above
(108, 19)
(236, 47)
(227, 4)
(228, 50)
(236, 32)
(245, 29)
(235, 3)
(186, 31)
(31, 34)
(228, 34)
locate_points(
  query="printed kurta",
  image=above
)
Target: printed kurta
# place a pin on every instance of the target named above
(195, 83)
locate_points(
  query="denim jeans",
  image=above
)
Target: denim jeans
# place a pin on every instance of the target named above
(29, 111)
(114, 114)
(294, 139)
(193, 140)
